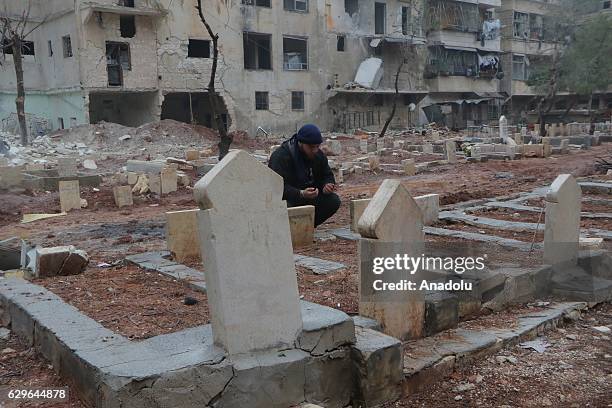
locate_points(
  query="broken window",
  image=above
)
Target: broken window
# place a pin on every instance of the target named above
(380, 18)
(50, 47)
(341, 42)
(447, 62)
(536, 26)
(260, 3)
(60, 123)
(261, 101)
(379, 100)
(351, 7)
(198, 49)
(606, 5)
(126, 3)
(297, 100)
(519, 68)
(295, 53)
(405, 19)
(521, 25)
(296, 5)
(257, 50)
(67, 46)
(127, 26)
(27, 48)
(446, 15)
(117, 61)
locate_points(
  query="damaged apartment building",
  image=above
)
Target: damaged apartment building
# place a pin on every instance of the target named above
(282, 63)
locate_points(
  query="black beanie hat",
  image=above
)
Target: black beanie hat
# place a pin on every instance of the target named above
(309, 134)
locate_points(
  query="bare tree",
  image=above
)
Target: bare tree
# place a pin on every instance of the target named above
(13, 34)
(395, 96)
(225, 139)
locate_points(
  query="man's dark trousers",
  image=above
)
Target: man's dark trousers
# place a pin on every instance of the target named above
(325, 205)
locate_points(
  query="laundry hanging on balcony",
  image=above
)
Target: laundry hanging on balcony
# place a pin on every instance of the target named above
(491, 29)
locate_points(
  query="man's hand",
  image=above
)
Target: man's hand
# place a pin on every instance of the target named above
(329, 188)
(310, 193)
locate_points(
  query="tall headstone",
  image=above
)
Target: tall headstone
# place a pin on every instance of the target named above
(451, 151)
(363, 146)
(391, 224)
(503, 128)
(248, 260)
(70, 197)
(562, 230)
(168, 180)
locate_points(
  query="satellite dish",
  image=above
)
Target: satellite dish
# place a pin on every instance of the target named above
(411, 107)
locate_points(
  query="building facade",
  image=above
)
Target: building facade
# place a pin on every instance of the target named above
(342, 64)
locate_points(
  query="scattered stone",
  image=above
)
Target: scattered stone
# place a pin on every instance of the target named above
(571, 337)
(8, 350)
(504, 359)
(458, 398)
(125, 137)
(464, 387)
(4, 333)
(602, 329)
(504, 175)
(89, 164)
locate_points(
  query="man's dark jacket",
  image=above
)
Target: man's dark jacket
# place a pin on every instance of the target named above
(283, 161)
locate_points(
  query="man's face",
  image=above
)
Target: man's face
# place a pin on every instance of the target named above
(309, 151)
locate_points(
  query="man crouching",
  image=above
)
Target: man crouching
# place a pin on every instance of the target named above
(308, 178)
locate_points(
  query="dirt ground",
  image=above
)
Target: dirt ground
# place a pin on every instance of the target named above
(574, 372)
(141, 304)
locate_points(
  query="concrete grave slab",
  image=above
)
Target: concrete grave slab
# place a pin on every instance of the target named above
(123, 196)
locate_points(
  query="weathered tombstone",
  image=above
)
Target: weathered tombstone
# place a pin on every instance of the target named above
(503, 128)
(409, 167)
(248, 260)
(66, 167)
(562, 230)
(373, 162)
(182, 234)
(391, 224)
(335, 147)
(123, 196)
(70, 197)
(451, 153)
(363, 146)
(192, 154)
(11, 176)
(356, 209)
(428, 148)
(155, 184)
(168, 180)
(301, 225)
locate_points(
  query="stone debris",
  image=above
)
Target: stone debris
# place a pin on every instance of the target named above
(56, 261)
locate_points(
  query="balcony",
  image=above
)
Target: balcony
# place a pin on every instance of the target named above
(454, 84)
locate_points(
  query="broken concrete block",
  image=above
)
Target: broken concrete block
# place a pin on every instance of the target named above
(62, 260)
(169, 180)
(142, 185)
(182, 234)
(89, 164)
(132, 178)
(377, 367)
(192, 154)
(123, 196)
(69, 195)
(430, 207)
(591, 243)
(183, 179)
(356, 208)
(301, 224)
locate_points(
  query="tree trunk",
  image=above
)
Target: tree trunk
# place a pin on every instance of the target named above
(591, 116)
(225, 140)
(20, 100)
(392, 114)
